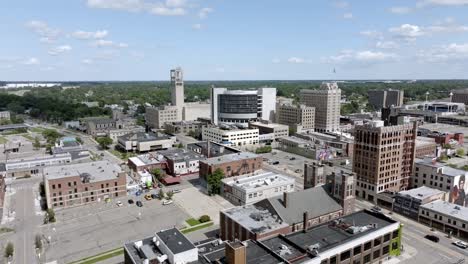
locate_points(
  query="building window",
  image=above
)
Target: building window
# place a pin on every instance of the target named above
(367, 258)
(357, 250)
(333, 260)
(395, 234)
(377, 242)
(69, 184)
(367, 246)
(385, 250)
(376, 254)
(53, 186)
(386, 237)
(345, 255)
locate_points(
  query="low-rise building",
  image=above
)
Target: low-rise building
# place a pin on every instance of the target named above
(35, 165)
(99, 126)
(156, 117)
(281, 214)
(425, 146)
(245, 189)
(232, 165)
(166, 246)
(82, 183)
(428, 172)
(114, 134)
(232, 137)
(407, 203)
(211, 149)
(445, 216)
(144, 142)
(186, 127)
(72, 146)
(181, 161)
(4, 115)
(147, 162)
(268, 128)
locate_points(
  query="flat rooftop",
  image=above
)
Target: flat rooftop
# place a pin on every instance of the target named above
(268, 179)
(255, 218)
(269, 124)
(297, 140)
(425, 141)
(179, 154)
(446, 208)
(446, 170)
(175, 240)
(421, 193)
(147, 159)
(144, 137)
(230, 158)
(330, 235)
(97, 170)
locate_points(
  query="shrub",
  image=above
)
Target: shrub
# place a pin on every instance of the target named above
(9, 250)
(204, 219)
(38, 242)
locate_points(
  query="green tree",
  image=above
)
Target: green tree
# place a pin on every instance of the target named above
(264, 149)
(38, 242)
(169, 195)
(447, 146)
(51, 135)
(104, 142)
(180, 145)
(9, 250)
(461, 152)
(214, 181)
(37, 143)
(204, 219)
(79, 140)
(42, 189)
(158, 174)
(49, 217)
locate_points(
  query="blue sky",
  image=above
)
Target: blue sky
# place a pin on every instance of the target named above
(61, 40)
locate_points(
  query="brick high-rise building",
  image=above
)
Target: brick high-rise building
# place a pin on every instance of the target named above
(326, 101)
(383, 158)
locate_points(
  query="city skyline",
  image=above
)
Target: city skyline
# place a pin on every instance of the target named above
(126, 40)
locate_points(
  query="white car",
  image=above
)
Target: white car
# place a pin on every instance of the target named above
(119, 203)
(167, 202)
(460, 244)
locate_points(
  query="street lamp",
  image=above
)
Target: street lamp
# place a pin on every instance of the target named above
(451, 95)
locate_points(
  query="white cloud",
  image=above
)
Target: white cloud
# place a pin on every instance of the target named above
(48, 68)
(109, 43)
(366, 56)
(87, 61)
(447, 29)
(197, 26)
(220, 69)
(296, 60)
(47, 34)
(31, 61)
(387, 45)
(59, 50)
(340, 4)
(444, 53)
(275, 60)
(348, 15)
(203, 13)
(80, 34)
(400, 10)
(167, 8)
(407, 31)
(372, 34)
(448, 2)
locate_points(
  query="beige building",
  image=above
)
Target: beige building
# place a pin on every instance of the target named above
(276, 131)
(383, 158)
(297, 117)
(4, 115)
(231, 137)
(326, 101)
(177, 91)
(156, 117)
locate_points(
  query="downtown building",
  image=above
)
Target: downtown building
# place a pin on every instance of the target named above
(298, 117)
(383, 159)
(326, 101)
(385, 98)
(239, 107)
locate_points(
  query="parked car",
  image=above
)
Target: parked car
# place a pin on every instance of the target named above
(138, 193)
(460, 244)
(130, 201)
(298, 170)
(376, 209)
(275, 162)
(139, 204)
(432, 238)
(154, 196)
(148, 197)
(292, 158)
(167, 202)
(119, 203)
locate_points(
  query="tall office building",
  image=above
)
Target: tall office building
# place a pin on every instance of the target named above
(383, 158)
(177, 91)
(326, 101)
(239, 107)
(385, 98)
(297, 117)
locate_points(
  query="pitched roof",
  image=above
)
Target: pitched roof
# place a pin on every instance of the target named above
(315, 201)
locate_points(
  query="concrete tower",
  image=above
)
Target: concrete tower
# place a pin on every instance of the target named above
(177, 91)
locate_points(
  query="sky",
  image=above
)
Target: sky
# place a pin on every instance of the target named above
(126, 40)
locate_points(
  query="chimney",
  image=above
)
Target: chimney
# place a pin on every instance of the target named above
(236, 252)
(305, 220)
(285, 199)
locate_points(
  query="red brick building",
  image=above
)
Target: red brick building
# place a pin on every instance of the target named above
(445, 138)
(425, 146)
(232, 164)
(83, 183)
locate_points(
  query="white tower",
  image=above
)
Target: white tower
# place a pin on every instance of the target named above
(177, 91)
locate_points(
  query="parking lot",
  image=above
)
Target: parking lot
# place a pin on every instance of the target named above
(88, 230)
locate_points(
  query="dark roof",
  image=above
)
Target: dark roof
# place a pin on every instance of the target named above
(2, 167)
(175, 240)
(315, 201)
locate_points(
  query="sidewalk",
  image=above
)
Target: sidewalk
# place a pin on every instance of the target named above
(7, 214)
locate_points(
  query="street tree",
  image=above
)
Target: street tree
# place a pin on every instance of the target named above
(9, 250)
(104, 142)
(214, 181)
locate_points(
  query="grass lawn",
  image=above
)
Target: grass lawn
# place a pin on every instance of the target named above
(37, 129)
(191, 229)
(192, 222)
(3, 140)
(28, 137)
(100, 257)
(122, 155)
